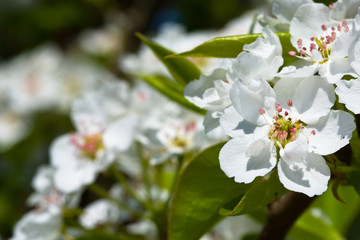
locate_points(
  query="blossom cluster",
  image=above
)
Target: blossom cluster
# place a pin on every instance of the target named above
(285, 116)
(130, 143)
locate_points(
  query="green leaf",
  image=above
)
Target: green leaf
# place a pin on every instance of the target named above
(260, 194)
(171, 90)
(202, 189)
(355, 181)
(327, 218)
(312, 228)
(355, 147)
(181, 69)
(221, 47)
(231, 46)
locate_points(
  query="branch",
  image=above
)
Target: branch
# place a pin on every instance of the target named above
(283, 213)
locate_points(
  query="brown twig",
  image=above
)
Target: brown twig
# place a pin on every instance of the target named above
(283, 213)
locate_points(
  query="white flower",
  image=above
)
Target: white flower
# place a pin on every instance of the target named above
(30, 82)
(259, 60)
(295, 118)
(45, 221)
(284, 11)
(347, 62)
(210, 93)
(104, 128)
(321, 38)
(39, 225)
(13, 128)
(98, 213)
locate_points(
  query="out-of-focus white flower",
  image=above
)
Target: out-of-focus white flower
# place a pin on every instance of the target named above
(144, 227)
(39, 225)
(104, 41)
(29, 79)
(77, 76)
(13, 128)
(104, 128)
(229, 228)
(45, 221)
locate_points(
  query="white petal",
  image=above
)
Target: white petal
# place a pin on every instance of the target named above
(301, 171)
(307, 22)
(285, 10)
(87, 114)
(259, 60)
(120, 134)
(344, 9)
(337, 69)
(210, 122)
(72, 179)
(43, 225)
(285, 89)
(349, 94)
(247, 100)
(354, 53)
(43, 181)
(234, 125)
(309, 176)
(246, 159)
(332, 132)
(202, 92)
(63, 152)
(313, 99)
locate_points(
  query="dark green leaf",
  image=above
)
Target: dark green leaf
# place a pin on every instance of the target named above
(231, 46)
(260, 194)
(171, 90)
(201, 191)
(181, 69)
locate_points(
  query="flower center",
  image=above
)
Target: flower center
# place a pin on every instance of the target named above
(319, 49)
(88, 145)
(283, 129)
(183, 135)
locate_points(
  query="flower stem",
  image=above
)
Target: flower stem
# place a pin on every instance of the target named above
(125, 184)
(145, 173)
(282, 214)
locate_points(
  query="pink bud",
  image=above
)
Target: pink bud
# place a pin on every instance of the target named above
(313, 132)
(289, 103)
(323, 27)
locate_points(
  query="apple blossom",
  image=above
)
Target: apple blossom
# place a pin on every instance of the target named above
(104, 127)
(295, 119)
